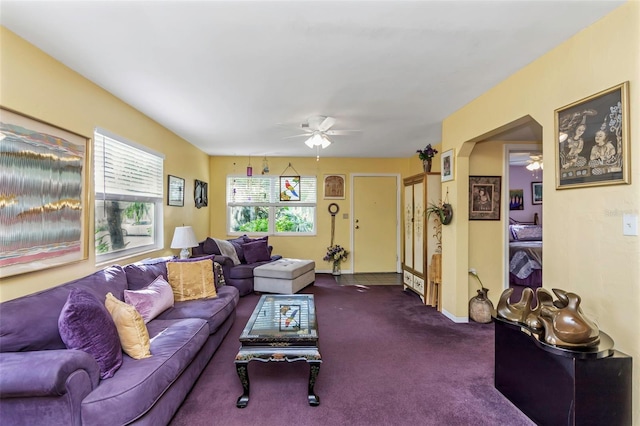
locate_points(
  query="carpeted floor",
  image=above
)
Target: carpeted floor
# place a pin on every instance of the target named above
(387, 360)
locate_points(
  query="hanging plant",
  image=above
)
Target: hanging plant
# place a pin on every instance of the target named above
(443, 211)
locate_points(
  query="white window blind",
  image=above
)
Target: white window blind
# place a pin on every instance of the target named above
(124, 169)
(265, 190)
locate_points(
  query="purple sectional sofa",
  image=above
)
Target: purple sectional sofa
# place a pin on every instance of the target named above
(251, 252)
(42, 382)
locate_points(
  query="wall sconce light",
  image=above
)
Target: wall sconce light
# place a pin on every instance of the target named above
(184, 238)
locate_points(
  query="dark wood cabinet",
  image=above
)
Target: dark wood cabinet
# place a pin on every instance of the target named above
(555, 386)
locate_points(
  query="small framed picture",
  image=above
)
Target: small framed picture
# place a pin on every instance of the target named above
(289, 188)
(334, 187)
(516, 199)
(536, 192)
(447, 166)
(175, 192)
(484, 197)
(200, 194)
(593, 140)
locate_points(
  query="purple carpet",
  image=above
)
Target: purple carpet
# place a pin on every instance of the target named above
(387, 360)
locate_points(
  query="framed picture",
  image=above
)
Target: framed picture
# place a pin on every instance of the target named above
(334, 187)
(175, 193)
(484, 197)
(447, 166)
(200, 194)
(45, 180)
(516, 199)
(289, 188)
(593, 140)
(536, 192)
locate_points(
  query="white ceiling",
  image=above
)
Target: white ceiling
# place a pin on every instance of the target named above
(226, 75)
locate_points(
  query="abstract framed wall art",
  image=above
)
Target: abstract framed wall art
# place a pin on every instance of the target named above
(593, 140)
(175, 192)
(43, 194)
(536, 192)
(334, 187)
(484, 197)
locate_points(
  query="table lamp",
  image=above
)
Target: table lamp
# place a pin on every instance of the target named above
(184, 238)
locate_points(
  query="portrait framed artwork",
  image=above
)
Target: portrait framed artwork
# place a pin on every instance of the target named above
(334, 186)
(447, 166)
(484, 197)
(200, 194)
(593, 140)
(536, 192)
(290, 188)
(44, 215)
(175, 192)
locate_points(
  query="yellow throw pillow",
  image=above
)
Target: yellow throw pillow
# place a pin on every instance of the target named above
(191, 280)
(132, 331)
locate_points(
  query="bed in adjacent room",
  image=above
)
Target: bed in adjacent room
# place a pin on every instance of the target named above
(525, 256)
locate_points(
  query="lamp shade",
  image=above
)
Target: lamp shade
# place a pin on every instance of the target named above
(183, 238)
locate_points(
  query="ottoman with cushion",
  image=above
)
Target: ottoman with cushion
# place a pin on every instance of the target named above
(285, 276)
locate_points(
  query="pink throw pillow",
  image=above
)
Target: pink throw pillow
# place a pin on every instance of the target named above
(152, 300)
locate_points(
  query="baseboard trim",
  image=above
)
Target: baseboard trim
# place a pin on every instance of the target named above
(460, 320)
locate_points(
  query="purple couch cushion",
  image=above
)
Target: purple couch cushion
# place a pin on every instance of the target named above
(85, 324)
(141, 274)
(256, 251)
(210, 247)
(152, 300)
(20, 332)
(138, 384)
(214, 311)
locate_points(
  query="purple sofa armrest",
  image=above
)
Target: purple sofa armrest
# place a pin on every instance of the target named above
(44, 373)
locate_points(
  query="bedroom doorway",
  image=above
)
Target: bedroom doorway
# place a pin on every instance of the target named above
(523, 204)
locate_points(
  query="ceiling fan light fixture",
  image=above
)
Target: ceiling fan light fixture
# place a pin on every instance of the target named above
(318, 139)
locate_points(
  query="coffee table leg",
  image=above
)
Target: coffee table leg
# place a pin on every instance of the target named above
(243, 374)
(314, 369)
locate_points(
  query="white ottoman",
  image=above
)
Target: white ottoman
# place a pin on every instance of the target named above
(285, 276)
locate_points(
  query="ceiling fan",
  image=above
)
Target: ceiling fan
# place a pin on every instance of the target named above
(317, 130)
(534, 163)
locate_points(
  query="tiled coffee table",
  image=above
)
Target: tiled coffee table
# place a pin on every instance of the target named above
(281, 328)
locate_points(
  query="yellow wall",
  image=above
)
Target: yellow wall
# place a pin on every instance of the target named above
(39, 86)
(585, 251)
(312, 247)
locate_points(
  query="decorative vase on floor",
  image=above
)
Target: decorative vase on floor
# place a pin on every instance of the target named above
(336, 268)
(480, 307)
(426, 165)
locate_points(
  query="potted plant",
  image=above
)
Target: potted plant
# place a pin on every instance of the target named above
(426, 155)
(443, 211)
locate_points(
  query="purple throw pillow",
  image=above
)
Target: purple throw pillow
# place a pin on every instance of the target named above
(152, 300)
(210, 247)
(85, 324)
(237, 244)
(256, 251)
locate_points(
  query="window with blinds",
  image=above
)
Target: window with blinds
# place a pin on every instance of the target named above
(254, 205)
(128, 182)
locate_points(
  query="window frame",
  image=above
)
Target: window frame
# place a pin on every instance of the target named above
(272, 207)
(101, 195)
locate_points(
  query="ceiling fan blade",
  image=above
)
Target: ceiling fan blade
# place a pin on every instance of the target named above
(341, 132)
(326, 124)
(297, 136)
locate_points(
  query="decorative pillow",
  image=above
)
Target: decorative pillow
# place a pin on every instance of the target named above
(133, 334)
(191, 280)
(237, 245)
(527, 232)
(210, 246)
(152, 300)
(256, 251)
(85, 324)
(140, 274)
(218, 275)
